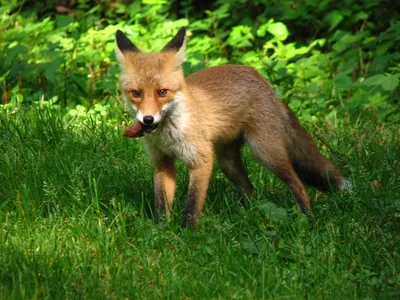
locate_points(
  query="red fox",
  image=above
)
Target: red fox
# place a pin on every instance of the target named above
(215, 110)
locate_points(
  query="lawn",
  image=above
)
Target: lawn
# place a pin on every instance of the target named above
(76, 220)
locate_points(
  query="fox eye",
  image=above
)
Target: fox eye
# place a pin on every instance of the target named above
(162, 92)
(136, 93)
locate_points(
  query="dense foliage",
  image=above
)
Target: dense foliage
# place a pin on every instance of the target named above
(325, 58)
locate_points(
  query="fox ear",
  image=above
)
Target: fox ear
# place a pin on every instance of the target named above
(178, 44)
(124, 45)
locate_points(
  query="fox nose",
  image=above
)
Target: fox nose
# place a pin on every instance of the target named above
(148, 120)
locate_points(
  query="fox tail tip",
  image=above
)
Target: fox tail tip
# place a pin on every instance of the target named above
(345, 185)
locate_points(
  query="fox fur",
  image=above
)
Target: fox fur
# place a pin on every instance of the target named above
(212, 113)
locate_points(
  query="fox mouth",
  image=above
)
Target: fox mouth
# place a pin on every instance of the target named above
(149, 128)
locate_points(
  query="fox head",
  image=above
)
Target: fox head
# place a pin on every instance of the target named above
(151, 82)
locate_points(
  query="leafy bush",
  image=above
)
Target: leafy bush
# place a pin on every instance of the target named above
(325, 59)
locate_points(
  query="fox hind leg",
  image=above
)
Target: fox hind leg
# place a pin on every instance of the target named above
(276, 157)
(230, 161)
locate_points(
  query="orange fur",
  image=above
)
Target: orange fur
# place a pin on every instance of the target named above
(217, 110)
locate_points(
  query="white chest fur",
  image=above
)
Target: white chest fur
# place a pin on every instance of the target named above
(170, 137)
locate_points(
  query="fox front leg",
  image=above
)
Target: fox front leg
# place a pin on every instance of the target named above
(164, 187)
(198, 184)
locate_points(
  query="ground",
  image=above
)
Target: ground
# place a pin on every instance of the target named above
(76, 220)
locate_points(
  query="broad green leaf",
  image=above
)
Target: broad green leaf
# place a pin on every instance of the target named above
(255, 247)
(391, 83)
(374, 80)
(262, 30)
(276, 214)
(278, 30)
(220, 13)
(50, 73)
(218, 61)
(201, 25)
(134, 8)
(387, 82)
(63, 20)
(382, 48)
(240, 37)
(319, 42)
(334, 19)
(342, 81)
(12, 54)
(361, 16)
(348, 40)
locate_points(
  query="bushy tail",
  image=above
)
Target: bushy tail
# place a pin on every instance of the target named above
(310, 165)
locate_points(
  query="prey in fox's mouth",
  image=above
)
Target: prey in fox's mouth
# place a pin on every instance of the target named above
(138, 129)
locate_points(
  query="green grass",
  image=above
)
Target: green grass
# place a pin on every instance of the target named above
(76, 221)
